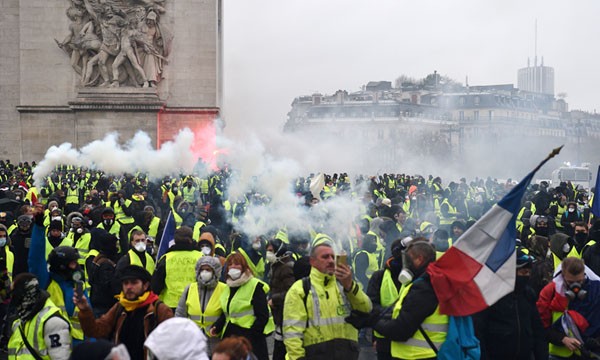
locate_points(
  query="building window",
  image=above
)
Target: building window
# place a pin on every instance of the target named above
(461, 115)
(462, 101)
(476, 115)
(476, 100)
(490, 115)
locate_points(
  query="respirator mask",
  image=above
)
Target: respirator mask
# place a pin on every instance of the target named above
(406, 275)
(575, 290)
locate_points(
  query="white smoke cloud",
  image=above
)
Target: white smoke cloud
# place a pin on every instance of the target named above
(137, 154)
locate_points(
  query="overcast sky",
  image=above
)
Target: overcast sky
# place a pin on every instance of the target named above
(275, 50)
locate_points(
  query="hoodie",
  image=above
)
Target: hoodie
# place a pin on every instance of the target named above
(177, 339)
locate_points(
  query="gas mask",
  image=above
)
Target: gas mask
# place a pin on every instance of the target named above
(575, 290)
(256, 245)
(108, 222)
(406, 275)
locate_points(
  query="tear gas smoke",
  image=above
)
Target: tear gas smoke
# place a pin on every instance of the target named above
(137, 154)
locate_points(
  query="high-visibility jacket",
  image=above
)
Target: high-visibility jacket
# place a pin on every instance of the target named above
(205, 316)
(189, 194)
(388, 293)
(380, 250)
(33, 329)
(120, 215)
(258, 269)
(72, 196)
(373, 262)
(10, 262)
(559, 350)
(196, 231)
(115, 228)
(58, 298)
(180, 272)
(239, 310)
(318, 317)
(153, 227)
(82, 244)
(435, 326)
(451, 217)
(134, 259)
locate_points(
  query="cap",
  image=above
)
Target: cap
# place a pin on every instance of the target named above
(135, 272)
(387, 202)
(523, 259)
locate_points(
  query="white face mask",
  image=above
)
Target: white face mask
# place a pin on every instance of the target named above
(234, 274)
(56, 218)
(79, 230)
(206, 250)
(140, 247)
(571, 209)
(271, 257)
(2, 241)
(566, 247)
(256, 246)
(206, 276)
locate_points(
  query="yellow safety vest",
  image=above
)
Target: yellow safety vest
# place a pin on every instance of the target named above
(557, 350)
(58, 298)
(72, 196)
(180, 272)
(10, 262)
(134, 259)
(435, 326)
(82, 245)
(153, 227)
(239, 310)
(196, 231)
(373, 262)
(257, 269)
(120, 215)
(33, 329)
(388, 293)
(204, 319)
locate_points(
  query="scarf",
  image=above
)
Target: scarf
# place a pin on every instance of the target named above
(129, 305)
(244, 278)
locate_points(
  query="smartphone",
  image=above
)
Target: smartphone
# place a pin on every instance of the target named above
(341, 259)
(79, 289)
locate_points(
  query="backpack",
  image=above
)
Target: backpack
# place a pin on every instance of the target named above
(461, 342)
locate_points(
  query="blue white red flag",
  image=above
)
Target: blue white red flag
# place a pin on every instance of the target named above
(168, 236)
(596, 202)
(480, 268)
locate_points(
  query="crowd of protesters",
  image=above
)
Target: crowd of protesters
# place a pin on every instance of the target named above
(78, 261)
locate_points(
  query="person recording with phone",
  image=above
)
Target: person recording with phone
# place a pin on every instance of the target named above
(315, 308)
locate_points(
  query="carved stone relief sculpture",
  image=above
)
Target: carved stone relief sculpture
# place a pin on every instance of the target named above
(113, 43)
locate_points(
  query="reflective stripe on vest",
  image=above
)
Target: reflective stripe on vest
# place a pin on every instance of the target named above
(435, 326)
(212, 311)
(58, 298)
(239, 310)
(180, 272)
(34, 332)
(134, 259)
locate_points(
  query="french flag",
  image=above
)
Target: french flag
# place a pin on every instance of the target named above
(168, 236)
(596, 201)
(481, 266)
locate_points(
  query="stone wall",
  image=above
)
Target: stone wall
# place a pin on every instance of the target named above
(42, 102)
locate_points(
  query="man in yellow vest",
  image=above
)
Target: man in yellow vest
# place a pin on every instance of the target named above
(137, 254)
(416, 321)
(314, 311)
(175, 269)
(39, 332)
(200, 300)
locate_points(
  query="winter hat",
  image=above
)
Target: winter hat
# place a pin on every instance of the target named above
(135, 272)
(97, 350)
(55, 225)
(211, 261)
(177, 339)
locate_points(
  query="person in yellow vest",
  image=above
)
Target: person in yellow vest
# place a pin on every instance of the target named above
(251, 250)
(383, 290)
(79, 237)
(39, 332)
(366, 260)
(175, 269)
(7, 260)
(417, 307)
(100, 267)
(552, 303)
(138, 252)
(245, 309)
(108, 222)
(315, 309)
(201, 300)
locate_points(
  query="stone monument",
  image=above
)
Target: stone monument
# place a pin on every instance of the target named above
(75, 70)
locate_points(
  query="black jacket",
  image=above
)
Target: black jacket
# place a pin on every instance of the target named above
(512, 328)
(419, 303)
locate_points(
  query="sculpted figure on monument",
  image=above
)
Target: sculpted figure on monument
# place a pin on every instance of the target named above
(108, 36)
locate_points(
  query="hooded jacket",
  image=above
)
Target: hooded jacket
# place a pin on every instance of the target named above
(177, 339)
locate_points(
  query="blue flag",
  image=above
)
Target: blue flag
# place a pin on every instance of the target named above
(596, 202)
(168, 236)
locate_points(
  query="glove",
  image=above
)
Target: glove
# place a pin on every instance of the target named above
(360, 319)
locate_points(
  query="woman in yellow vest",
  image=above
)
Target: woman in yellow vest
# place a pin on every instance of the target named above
(245, 309)
(201, 300)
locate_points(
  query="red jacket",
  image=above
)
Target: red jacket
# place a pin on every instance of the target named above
(550, 301)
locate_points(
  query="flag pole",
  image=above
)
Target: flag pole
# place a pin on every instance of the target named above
(552, 154)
